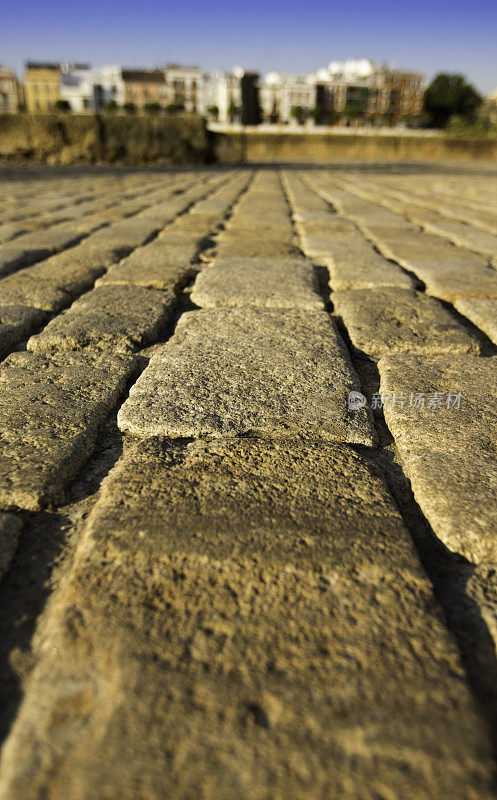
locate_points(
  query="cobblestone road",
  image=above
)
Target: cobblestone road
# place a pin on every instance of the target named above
(248, 484)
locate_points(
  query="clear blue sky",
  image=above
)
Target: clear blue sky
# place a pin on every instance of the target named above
(301, 36)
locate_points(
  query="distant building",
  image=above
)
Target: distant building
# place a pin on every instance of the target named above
(89, 90)
(11, 92)
(145, 86)
(77, 88)
(396, 95)
(362, 89)
(185, 86)
(234, 95)
(349, 91)
(41, 86)
(489, 108)
(287, 98)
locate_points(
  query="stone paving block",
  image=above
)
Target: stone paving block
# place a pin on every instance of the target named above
(126, 233)
(159, 265)
(228, 372)
(231, 246)
(13, 258)
(332, 225)
(112, 319)
(461, 234)
(451, 281)
(165, 212)
(387, 321)
(51, 239)
(449, 454)
(54, 283)
(448, 272)
(246, 619)
(24, 289)
(261, 282)
(10, 530)
(50, 409)
(195, 225)
(482, 312)
(355, 265)
(10, 230)
(16, 323)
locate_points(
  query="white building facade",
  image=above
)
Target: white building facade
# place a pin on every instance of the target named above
(88, 90)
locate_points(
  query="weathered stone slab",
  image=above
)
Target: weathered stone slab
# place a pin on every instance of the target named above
(447, 271)
(50, 409)
(10, 530)
(261, 282)
(52, 239)
(113, 319)
(233, 246)
(449, 454)
(482, 312)
(229, 372)
(16, 323)
(461, 234)
(10, 230)
(355, 265)
(159, 265)
(13, 258)
(126, 233)
(195, 225)
(52, 284)
(246, 619)
(387, 321)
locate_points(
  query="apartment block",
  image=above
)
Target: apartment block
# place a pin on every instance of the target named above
(11, 92)
(348, 91)
(41, 87)
(143, 87)
(185, 87)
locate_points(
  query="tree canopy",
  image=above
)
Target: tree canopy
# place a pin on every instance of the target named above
(448, 95)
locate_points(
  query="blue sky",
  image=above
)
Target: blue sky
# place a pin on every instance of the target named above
(287, 36)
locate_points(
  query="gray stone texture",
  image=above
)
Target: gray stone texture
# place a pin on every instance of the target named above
(16, 323)
(112, 319)
(449, 454)
(232, 371)
(50, 409)
(387, 321)
(261, 282)
(482, 312)
(250, 619)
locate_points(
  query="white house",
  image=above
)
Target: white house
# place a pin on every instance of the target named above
(279, 94)
(87, 89)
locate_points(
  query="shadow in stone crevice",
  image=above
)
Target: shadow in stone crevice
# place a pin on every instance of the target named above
(488, 348)
(42, 560)
(24, 592)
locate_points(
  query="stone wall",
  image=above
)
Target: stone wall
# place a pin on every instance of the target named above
(302, 147)
(86, 139)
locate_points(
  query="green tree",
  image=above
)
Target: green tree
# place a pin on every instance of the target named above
(130, 108)
(213, 111)
(175, 108)
(151, 108)
(110, 106)
(233, 110)
(62, 105)
(448, 95)
(299, 113)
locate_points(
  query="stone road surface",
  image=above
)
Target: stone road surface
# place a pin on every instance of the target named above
(220, 580)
